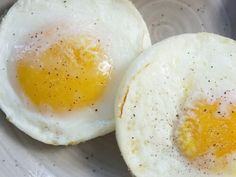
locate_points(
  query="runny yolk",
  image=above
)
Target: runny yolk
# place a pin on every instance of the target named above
(70, 74)
(208, 132)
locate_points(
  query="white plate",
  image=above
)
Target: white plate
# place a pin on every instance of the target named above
(21, 156)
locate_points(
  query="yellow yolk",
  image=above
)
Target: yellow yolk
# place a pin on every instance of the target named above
(70, 74)
(208, 132)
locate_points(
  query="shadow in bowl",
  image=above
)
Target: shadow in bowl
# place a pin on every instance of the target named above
(97, 158)
(5, 7)
(230, 9)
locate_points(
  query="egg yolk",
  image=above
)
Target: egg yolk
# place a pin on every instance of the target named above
(206, 131)
(70, 74)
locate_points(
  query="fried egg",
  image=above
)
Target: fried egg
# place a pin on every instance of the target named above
(176, 109)
(60, 63)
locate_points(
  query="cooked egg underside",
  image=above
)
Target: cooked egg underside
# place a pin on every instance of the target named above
(103, 36)
(175, 112)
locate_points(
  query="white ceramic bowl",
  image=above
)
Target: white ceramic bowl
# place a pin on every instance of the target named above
(21, 156)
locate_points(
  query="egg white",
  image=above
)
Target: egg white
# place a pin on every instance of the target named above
(123, 34)
(167, 77)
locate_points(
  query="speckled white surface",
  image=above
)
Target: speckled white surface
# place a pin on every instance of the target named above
(21, 156)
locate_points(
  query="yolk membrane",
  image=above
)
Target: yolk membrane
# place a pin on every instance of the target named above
(70, 74)
(207, 132)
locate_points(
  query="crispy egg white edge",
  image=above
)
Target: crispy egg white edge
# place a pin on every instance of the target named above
(146, 59)
(52, 131)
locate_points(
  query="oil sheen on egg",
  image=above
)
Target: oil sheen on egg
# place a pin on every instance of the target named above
(60, 64)
(176, 109)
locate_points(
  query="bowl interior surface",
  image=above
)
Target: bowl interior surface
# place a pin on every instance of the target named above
(22, 156)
